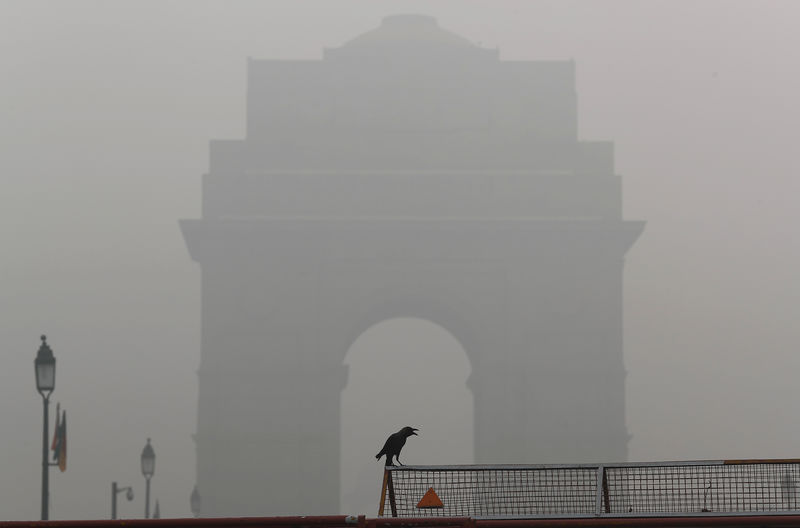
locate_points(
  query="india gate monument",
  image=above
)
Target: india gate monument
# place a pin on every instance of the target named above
(408, 173)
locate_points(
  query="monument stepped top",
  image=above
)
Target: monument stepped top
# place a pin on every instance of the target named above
(409, 30)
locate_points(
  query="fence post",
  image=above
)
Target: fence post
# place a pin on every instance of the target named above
(599, 490)
(392, 502)
(383, 492)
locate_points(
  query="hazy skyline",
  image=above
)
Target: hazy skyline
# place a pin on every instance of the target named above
(108, 108)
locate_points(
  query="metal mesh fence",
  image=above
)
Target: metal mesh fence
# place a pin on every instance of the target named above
(582, 490)
(732, 487)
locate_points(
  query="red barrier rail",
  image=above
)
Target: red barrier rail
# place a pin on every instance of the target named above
(717, 521)
(327, 521)
(342, 521)
(332, 521)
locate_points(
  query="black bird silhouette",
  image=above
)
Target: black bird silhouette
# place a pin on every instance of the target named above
(395, 443)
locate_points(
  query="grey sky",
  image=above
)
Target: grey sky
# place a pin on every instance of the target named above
(106, 110)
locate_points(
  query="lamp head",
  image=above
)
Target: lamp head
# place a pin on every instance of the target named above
(148, 460)
(45, 369)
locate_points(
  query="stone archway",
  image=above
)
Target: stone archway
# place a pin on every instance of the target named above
(355, 198)
(402, 371)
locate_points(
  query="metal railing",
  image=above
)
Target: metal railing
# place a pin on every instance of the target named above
(579, 490)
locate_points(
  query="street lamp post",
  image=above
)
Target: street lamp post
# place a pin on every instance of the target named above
(148, 468)
(45, 369)
(195, 502)
(115, 490)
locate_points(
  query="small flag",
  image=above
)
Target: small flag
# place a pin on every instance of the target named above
(55, 432)
(62, 445)
(430, 500)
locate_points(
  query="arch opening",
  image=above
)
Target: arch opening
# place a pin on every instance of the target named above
(402, 371)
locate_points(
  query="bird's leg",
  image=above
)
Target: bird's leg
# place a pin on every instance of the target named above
(398, 460)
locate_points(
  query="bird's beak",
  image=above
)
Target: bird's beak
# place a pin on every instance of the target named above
(414, 431)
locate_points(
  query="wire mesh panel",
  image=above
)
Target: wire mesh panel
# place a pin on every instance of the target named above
(722, 487)
(493, 491)
(579, 490)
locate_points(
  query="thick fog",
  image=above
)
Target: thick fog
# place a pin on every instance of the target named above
(106, 113)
